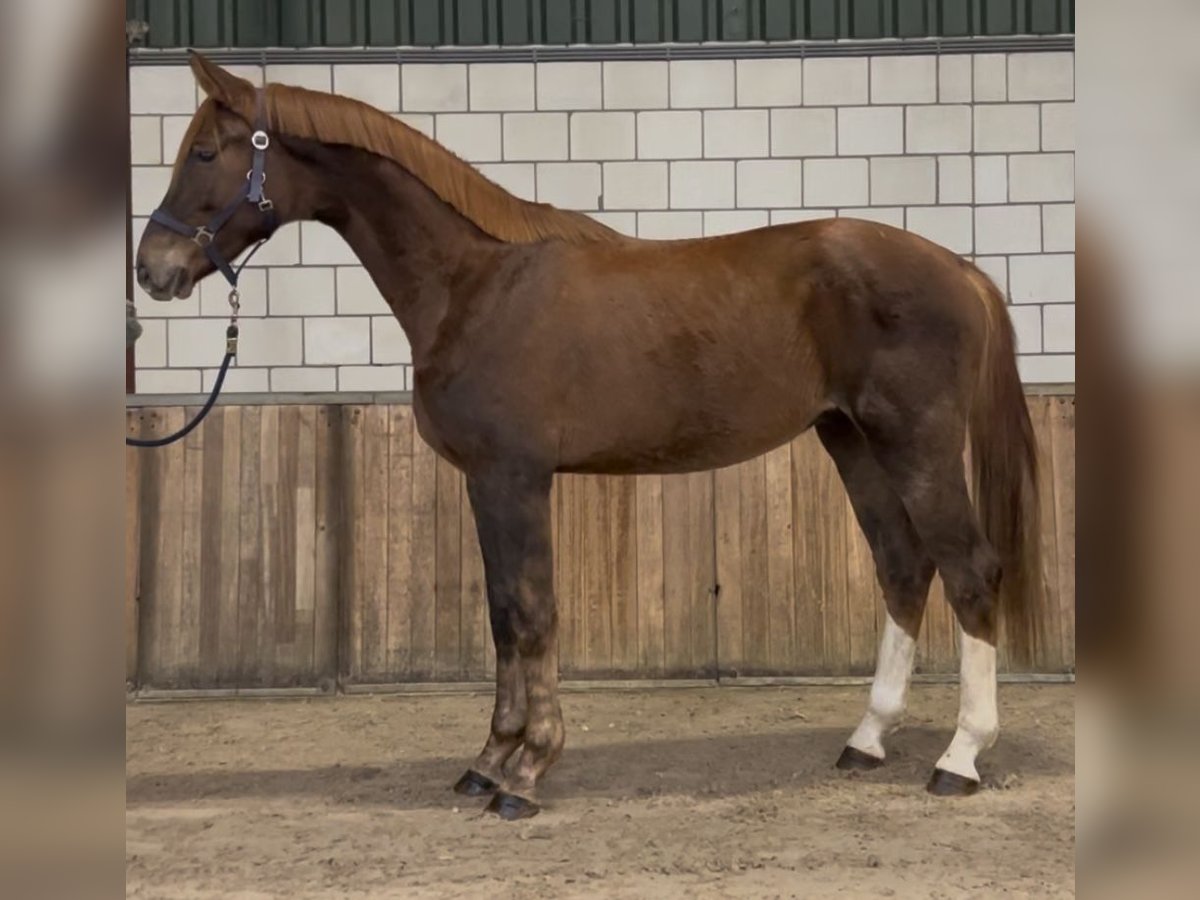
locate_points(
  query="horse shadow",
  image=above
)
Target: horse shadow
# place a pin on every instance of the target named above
(708, 767)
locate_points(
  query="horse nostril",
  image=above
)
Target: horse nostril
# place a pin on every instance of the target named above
(143, 275)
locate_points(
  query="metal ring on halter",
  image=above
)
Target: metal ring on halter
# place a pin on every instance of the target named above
(235, 301)
(203, 237)
(260, 140)
(250, 175)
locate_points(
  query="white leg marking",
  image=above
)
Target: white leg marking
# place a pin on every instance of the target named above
(889, 690)
(978, 721)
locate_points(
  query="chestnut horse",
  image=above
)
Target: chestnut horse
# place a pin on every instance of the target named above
(545, 342)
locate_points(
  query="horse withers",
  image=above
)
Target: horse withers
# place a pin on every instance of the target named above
(545, 342)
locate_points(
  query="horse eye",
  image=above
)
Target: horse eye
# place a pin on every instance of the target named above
(205, 154)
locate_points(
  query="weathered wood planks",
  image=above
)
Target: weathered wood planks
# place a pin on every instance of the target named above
(292, 545)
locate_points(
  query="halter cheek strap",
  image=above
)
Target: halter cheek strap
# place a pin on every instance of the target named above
(253, 192)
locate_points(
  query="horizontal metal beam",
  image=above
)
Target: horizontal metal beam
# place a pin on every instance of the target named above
(156, 695)
(363, 398)
(614, 52)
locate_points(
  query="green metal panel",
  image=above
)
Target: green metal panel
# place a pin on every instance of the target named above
(389, 23)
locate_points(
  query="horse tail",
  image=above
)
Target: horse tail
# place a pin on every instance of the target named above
(1004, 474)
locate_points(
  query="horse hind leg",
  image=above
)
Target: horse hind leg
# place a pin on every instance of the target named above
(920, 449)
(904, 570)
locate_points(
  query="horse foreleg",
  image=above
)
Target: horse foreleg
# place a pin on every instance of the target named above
(512, 513)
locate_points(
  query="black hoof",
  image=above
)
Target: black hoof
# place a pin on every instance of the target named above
(475, 785)
(853, 759)
(948, 784)
(510, 807)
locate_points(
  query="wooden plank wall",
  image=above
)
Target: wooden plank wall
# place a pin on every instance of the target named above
(236, 541)
(292, 545)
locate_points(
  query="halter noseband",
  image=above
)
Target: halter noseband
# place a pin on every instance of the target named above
(256, 181)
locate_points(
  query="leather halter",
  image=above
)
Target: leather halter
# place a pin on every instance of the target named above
(205, 237)
(254, 192)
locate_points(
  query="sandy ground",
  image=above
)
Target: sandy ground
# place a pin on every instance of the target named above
(661, 794)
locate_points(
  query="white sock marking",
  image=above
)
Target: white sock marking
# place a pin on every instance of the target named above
(978, 720)
(889, 690)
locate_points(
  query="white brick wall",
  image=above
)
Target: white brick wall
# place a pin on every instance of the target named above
(975, 152)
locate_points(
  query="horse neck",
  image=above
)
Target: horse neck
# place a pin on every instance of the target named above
(413, 245)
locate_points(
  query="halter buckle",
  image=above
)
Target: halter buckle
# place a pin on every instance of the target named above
(203, 237)
(260, 140)
(266, 205)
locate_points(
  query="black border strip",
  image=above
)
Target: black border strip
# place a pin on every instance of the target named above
(594, 53)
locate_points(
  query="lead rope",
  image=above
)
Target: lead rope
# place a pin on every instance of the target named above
(231, 341)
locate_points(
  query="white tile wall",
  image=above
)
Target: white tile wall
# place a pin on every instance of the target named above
(302, 291)
(1058, 228)
(866, 130)
(670, 135)
(569, 86)
(636, 185)
(670, 225)
(603, 135)
(736, 133)
(836, 82)
(955, 179)
(320, 245)
(1058, 126)
(904, 79)
(730, 221)
(535, 136)
(702, 185)
(1010, 128)
(765, 183)
(161, 90)
(1041, 177)
(836, 182)
(145, 137)
(574, 185)
(991, 179)
(1046, 278)
(939, 129)
(433, 88)
(803, 132)
(889, 215)
(903, 180)
(635, 85)
(991, 77)
(378, 85)
(1041, 76)
(624, 222)
(315, 78)
(769, 82)
(1008, 229)
(975, 152)
(702, 83)
(954, 79)
(950, 226)
(502, 87)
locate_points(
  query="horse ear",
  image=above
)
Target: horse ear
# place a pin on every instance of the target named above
(222, 86)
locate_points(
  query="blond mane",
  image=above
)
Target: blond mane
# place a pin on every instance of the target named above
(338, 120)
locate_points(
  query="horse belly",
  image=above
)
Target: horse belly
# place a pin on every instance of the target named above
(709, 431)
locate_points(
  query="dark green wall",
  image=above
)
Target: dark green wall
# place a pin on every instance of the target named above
(348, 23)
